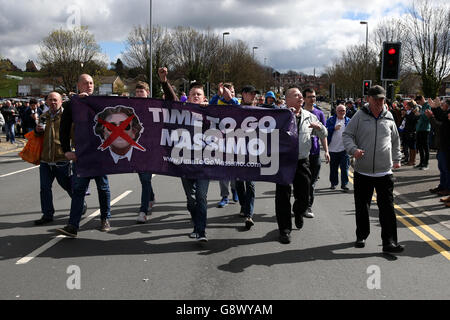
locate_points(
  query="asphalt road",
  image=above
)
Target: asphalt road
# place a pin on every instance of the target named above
(158, 261)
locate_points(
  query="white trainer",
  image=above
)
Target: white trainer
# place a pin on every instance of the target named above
(308, 213)
(142, 218)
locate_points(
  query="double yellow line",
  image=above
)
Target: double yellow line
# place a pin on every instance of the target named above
(419, 223)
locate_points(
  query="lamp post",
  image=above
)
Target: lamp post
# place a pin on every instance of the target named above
(367, 37)
(223, 53)
(254, 51)
(150, 53)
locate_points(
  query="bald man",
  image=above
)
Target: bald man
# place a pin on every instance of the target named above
(80, 184)
(53, 161)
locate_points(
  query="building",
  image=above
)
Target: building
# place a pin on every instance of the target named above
(37, 86)
(108, 85)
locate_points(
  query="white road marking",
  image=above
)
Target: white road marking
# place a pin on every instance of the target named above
(54, 241)
(10, 174)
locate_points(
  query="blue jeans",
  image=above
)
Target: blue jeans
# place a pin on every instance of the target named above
(339, 160)
(444, 181)
(147, 194)
(196, 191)
(80, 185)
(10, 133)
(48, 173)
(246, 192)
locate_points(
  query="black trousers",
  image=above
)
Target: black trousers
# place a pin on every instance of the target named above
(301, 186)
(363, 191)
(423, 147)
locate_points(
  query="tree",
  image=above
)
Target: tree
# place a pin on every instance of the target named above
(425, 36)
(119, 68)
(137, 56)
(69, 53)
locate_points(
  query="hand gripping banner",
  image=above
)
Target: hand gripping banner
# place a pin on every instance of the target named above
(122, 135)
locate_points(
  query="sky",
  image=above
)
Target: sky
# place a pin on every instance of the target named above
(299, 35)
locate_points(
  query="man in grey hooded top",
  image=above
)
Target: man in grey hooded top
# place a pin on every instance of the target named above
(371, 137)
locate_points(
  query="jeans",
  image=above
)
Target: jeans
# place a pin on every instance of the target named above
(246, 194)
(314, 167)
(147, 194)
(301, 184)
(444, 181)
(224, 187)
(80, 185)
(47, 174)
(196, 191)
(10, 134)
(384, 186)
(339, 160)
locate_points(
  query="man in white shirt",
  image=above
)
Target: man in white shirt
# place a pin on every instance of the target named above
(338, 156)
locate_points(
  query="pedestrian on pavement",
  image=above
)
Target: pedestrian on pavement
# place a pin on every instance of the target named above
(31, 116)
(438, 116)
(423, 128)
(246, 189)
(2, 123)
(80, 184)
(196, 190)
(53, 163)
(10, 114)
(408, 126)
(372, 138)
(226, 96)
(308, 125)
(147, 194)
(314, 155)
(338, 156)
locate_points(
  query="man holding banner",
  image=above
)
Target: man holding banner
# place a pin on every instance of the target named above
(308, 125)
(196, 190)
(81, 184)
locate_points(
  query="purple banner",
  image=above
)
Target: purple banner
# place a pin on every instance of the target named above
(122, 135)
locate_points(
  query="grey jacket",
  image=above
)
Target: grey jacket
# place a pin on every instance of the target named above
(305, 132)
(378, 138)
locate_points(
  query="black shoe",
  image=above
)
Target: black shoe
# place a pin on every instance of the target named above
(298, 220)
(418, 166)
(360, 243)
(333, 187)
(43, 221)
(84, 208)
(393, 248)
(249, 223)
(285, 237)
(68, 230)
(435, 190)
(345, 188)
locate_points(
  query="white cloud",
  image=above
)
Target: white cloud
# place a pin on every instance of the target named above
(291, 34)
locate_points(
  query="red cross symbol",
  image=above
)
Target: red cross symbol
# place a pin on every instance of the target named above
(118, 131)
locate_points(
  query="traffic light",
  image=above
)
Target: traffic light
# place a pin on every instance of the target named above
(390, 65)
(366, 86)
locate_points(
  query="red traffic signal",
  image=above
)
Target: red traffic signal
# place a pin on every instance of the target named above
(390, 65)
(392, 51)
(366, 86)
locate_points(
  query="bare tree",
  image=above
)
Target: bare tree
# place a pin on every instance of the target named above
(68, 53)
(426, 43)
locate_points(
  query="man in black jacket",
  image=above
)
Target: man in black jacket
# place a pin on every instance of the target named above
(81, 184)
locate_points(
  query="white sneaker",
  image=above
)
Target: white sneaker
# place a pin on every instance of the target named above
(142, 218)
(308, 213)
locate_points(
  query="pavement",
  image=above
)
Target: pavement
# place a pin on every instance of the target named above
(8, 147)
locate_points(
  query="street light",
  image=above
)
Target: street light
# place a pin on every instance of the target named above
(254, 51)
(223, 52)
(367, 37)
(151, 58)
